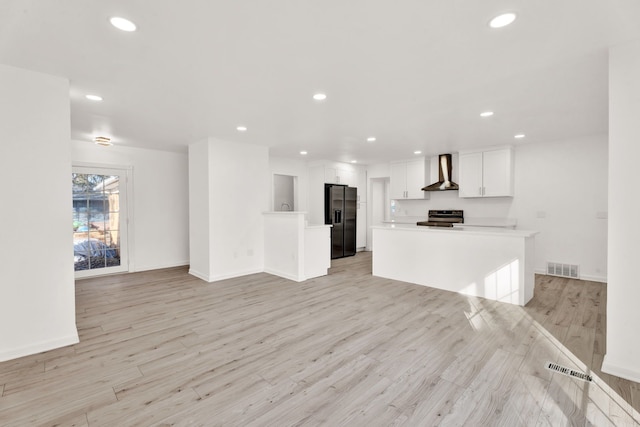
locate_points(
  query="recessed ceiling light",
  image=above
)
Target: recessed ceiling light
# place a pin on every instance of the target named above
(371, 139)
(502, 20)
(354, 161)
(519, 136)
(241, 128)
(486, 114)
(303, 153)
(320, 96)
(417, 152)
(93, 97)
(123, 24)
(103, 141)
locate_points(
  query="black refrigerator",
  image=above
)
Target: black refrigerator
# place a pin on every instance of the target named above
(340, 206)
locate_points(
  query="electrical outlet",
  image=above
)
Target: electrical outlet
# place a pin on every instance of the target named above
(541, 214)
(602, 215)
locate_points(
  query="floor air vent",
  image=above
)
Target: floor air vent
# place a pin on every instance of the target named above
(563, 270)
(569, 372)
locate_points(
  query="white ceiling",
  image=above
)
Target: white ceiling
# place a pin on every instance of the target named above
(415, 74)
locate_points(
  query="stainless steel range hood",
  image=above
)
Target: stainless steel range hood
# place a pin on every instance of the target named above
(444, 176)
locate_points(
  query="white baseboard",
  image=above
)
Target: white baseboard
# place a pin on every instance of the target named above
(614, 368)
(601, 279)
(594, 278)
(216, 278)
(284, 275)
(236, 274)
(39, 347)
(199, 275)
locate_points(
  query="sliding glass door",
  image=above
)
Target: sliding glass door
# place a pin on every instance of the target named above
(99, 221)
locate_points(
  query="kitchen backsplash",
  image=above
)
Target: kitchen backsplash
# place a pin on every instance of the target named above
(473, 208)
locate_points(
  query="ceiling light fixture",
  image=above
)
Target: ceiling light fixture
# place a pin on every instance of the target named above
(502, 20)
(103, 141)
(123, 24)
(303, 153)
(241, 128)
(417, 152)
(320, 96)
(354, 161)
(93, 97)
(486, 114)
(371, 139)
(519, 136)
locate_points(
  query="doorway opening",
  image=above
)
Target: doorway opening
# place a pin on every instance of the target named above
(284, 190)
(380, 205)
(100, 221)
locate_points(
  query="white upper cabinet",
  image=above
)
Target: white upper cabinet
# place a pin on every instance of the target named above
(470, 173)
(407, 179)
(398, 183)
(487, 173)
(340, 176)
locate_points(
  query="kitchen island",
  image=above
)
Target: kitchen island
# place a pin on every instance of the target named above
(492, 263)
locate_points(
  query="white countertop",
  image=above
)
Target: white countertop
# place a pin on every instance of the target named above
(467, 230)
(284, 213)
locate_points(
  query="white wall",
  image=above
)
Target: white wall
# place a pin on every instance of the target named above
(231, 181)
(200, 201)
(37, 292)
(284, 245)
(159, 232)
(623, 293)
(566, 182)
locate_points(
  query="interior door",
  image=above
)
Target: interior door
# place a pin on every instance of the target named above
(99, 221)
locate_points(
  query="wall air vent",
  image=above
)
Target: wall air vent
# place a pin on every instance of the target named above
(569, 372)
(572, 271)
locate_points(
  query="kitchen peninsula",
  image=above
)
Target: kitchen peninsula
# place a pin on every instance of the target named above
(294, 249)
(492, 263)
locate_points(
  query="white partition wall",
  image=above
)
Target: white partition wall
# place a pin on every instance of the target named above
(228, 191)
(37, 293)
(623, 292)
(293, 249)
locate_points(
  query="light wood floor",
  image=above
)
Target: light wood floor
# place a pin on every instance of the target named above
(349, 349)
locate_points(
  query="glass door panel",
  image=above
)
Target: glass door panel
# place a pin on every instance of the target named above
(99, 243)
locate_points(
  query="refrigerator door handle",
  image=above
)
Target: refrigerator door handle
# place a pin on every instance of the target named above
(337, 216)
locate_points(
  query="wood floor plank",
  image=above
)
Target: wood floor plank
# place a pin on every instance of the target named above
(165, 348)
(485, 397)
